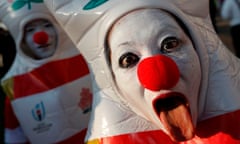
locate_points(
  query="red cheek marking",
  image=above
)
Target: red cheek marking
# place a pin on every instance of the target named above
(158, 72)
(40, 38)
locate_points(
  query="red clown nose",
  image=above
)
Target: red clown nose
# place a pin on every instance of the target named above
(158, 72)
(40, 37)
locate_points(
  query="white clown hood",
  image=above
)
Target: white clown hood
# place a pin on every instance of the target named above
(87, 24)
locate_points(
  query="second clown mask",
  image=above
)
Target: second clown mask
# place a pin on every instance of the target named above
(48, 87)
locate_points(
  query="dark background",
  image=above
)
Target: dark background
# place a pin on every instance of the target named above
(7, 52)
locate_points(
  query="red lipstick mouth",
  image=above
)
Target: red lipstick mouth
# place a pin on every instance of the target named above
(169, 101)
(174, 113)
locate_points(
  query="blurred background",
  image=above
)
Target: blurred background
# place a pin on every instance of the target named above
(7, 55)
(221, 25)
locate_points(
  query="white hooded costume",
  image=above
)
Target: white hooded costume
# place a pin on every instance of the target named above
(50, 99)
(113, 120)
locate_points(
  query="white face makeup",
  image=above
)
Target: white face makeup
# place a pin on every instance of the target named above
(143, 34)
(39, 39)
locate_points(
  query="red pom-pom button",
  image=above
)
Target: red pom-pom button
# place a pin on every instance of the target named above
(158, 72)
(40, 38)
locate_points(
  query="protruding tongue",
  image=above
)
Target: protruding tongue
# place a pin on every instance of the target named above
(161, 72)
(178, 122)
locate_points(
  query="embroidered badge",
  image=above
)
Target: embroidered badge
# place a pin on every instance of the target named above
(38, 112)
(86, 100)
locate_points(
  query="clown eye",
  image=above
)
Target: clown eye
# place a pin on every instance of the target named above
(128, 60)
(29, 29)
(48, 24)
(170, 44)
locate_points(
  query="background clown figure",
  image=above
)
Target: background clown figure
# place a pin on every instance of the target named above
(48, 86)
(160, 73)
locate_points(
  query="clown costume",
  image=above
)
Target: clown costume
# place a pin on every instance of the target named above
(48, 87)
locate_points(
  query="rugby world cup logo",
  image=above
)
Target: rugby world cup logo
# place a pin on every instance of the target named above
(38, 112)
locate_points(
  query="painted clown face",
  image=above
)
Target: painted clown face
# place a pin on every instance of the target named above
(39, 39)
(156, 70)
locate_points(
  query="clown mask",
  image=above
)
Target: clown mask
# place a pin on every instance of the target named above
(156, 70)
(39, 39)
